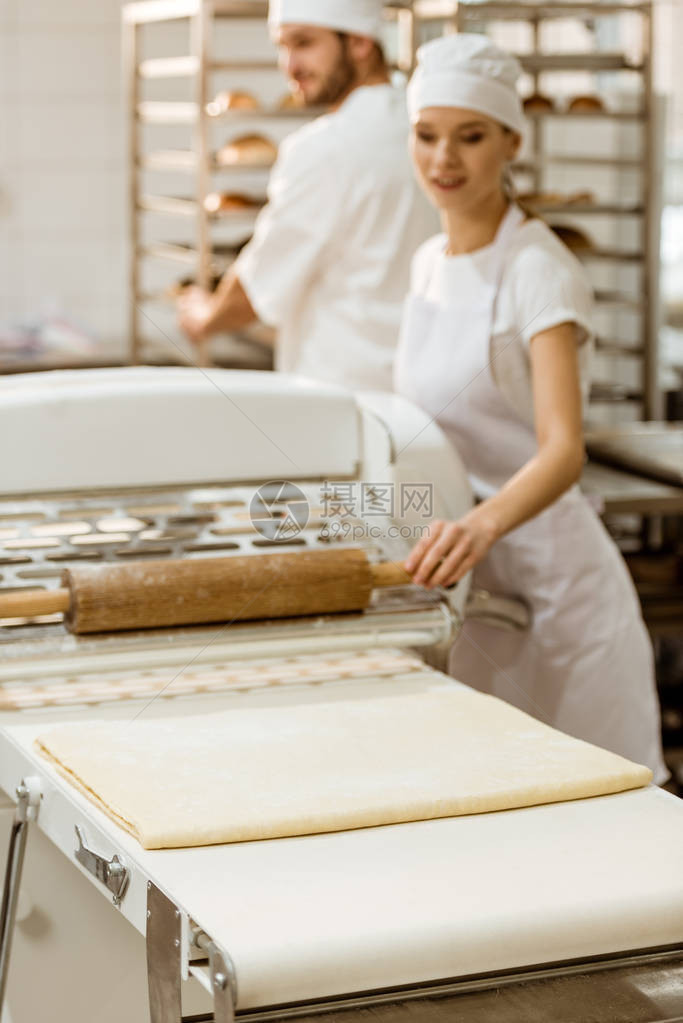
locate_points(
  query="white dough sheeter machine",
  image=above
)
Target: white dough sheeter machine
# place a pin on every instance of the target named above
(563, 912)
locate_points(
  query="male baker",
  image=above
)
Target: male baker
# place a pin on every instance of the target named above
(329, 261)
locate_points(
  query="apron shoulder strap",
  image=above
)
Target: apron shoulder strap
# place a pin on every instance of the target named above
(507, 230)
(423, 268)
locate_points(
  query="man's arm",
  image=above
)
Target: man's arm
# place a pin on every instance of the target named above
(300, 220)
(202, 314)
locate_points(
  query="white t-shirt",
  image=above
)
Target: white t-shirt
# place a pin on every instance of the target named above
(329, 262)
(543, 285)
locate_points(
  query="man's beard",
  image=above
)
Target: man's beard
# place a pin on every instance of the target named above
(336, 82)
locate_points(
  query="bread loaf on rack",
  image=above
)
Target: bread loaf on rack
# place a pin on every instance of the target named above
(537, 103)
(231, 99)
(291, 102)
(587, 104)
(247, 150)
(230, 202)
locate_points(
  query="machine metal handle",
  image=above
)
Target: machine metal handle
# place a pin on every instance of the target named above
(113, 873)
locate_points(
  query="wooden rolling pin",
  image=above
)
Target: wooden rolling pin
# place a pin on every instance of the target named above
(150, 594)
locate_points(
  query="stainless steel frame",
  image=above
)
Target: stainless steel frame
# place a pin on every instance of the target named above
(637, 987)
(28, 803)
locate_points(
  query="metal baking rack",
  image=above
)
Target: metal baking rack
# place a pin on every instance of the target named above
(627, 386)
(199, 67)
(194, 162)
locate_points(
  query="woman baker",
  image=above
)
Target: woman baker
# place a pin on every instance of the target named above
(495, 346)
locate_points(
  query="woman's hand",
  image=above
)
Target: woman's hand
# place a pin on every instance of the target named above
(451, 549)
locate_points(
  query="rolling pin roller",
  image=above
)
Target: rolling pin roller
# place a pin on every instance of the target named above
(151, 594)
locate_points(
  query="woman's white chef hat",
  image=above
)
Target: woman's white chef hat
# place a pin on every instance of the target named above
(359, 17)
(468, 71)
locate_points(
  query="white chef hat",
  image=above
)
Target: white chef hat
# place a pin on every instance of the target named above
(359, 17)
(469, 71)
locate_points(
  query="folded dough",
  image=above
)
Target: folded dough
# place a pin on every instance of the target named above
(275, 771)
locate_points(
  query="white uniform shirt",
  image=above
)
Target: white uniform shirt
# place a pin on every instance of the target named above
(329, 262)
(543, 285)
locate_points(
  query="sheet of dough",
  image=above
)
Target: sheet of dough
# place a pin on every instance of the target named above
(274, 771)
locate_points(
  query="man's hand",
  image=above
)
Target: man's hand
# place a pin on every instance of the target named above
(195, 313)
(451, 549)
(202, 314)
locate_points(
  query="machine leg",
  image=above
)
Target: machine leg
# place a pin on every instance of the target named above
(223, 978)
(163, 957)
(164, 966)
(28, 801)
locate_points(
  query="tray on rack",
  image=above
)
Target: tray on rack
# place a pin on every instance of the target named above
(653, 449)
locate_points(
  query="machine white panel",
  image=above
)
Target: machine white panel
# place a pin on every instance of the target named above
(149, 426)
(421, 454)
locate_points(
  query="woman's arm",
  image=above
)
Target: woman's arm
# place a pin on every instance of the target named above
(451, 549)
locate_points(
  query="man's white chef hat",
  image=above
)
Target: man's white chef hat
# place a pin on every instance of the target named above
(359, 17)
(468, 71)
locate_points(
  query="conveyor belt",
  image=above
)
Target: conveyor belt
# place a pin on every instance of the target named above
(317, 917)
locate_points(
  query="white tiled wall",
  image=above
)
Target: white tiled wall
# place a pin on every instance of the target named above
(62, 165)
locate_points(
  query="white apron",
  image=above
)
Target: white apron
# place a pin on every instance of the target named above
(585, 666)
